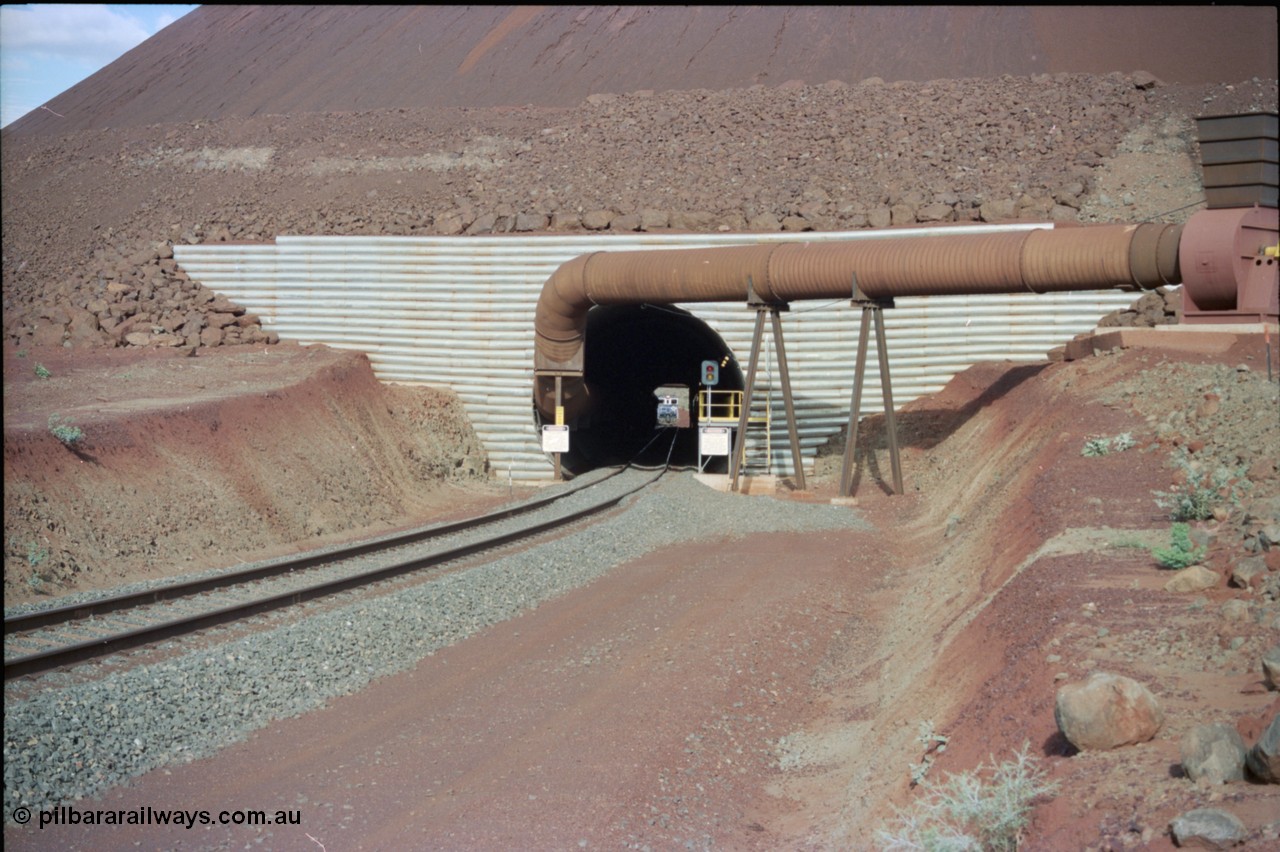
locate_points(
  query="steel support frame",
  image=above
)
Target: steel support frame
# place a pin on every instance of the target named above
(740, 438)
(871, 309)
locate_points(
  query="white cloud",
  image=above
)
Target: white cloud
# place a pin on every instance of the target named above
(10, 64)
(89, 34)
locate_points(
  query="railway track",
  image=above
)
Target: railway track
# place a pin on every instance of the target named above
(47, 639)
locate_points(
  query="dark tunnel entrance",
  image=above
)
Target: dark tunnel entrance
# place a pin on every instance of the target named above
(630, 351)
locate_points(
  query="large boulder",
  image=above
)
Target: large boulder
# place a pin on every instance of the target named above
(1107, 711)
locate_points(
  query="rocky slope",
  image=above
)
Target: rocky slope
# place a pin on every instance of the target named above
(240, 61)
(89, 218)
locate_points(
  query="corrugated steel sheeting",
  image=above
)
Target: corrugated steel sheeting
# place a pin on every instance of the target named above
(458, 312)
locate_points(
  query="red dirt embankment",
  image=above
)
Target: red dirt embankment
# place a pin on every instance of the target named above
(187, 463)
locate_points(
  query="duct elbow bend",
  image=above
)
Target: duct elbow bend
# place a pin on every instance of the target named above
(560, 323)
(561, 317)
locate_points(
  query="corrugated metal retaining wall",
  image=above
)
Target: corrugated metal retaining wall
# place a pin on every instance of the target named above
(458, 312)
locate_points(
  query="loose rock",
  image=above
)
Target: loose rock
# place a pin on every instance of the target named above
(1207, 828)
(1213, 753)
(1271, 667)
(1194, 579)
(1263, 759)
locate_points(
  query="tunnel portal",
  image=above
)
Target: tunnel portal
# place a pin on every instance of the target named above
(631, 350)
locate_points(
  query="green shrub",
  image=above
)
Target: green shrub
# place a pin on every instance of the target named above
(1201, 492)
(1181, 553)
(42, 372)
(966, 813)
(1096, 447)
(1102, 446)
(36, 554)
(65, 430)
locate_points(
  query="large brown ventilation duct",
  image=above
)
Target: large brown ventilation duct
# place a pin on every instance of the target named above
(1038, 261)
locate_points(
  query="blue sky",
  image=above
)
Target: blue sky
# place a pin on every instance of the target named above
(46, 48)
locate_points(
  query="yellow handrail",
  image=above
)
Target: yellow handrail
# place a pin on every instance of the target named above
(722, 406)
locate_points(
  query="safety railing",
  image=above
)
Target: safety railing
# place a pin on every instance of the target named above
(723, 406)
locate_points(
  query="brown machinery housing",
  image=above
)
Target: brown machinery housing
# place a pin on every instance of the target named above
(1225, 280)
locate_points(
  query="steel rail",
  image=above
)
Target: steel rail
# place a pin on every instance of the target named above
(130, 600)
(125, 640)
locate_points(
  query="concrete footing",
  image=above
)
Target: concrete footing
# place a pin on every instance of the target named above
(1206, 338)
(746, 484)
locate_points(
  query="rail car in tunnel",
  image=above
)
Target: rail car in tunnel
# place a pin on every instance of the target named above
(632, 351)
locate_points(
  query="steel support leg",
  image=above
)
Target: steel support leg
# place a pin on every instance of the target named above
(792, 431)
(871, 310)
(855, 407)
(740, 440)
(886, 387)
(559, 403)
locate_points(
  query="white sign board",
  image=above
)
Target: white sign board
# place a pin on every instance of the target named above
(713, 441)
(555, 439)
